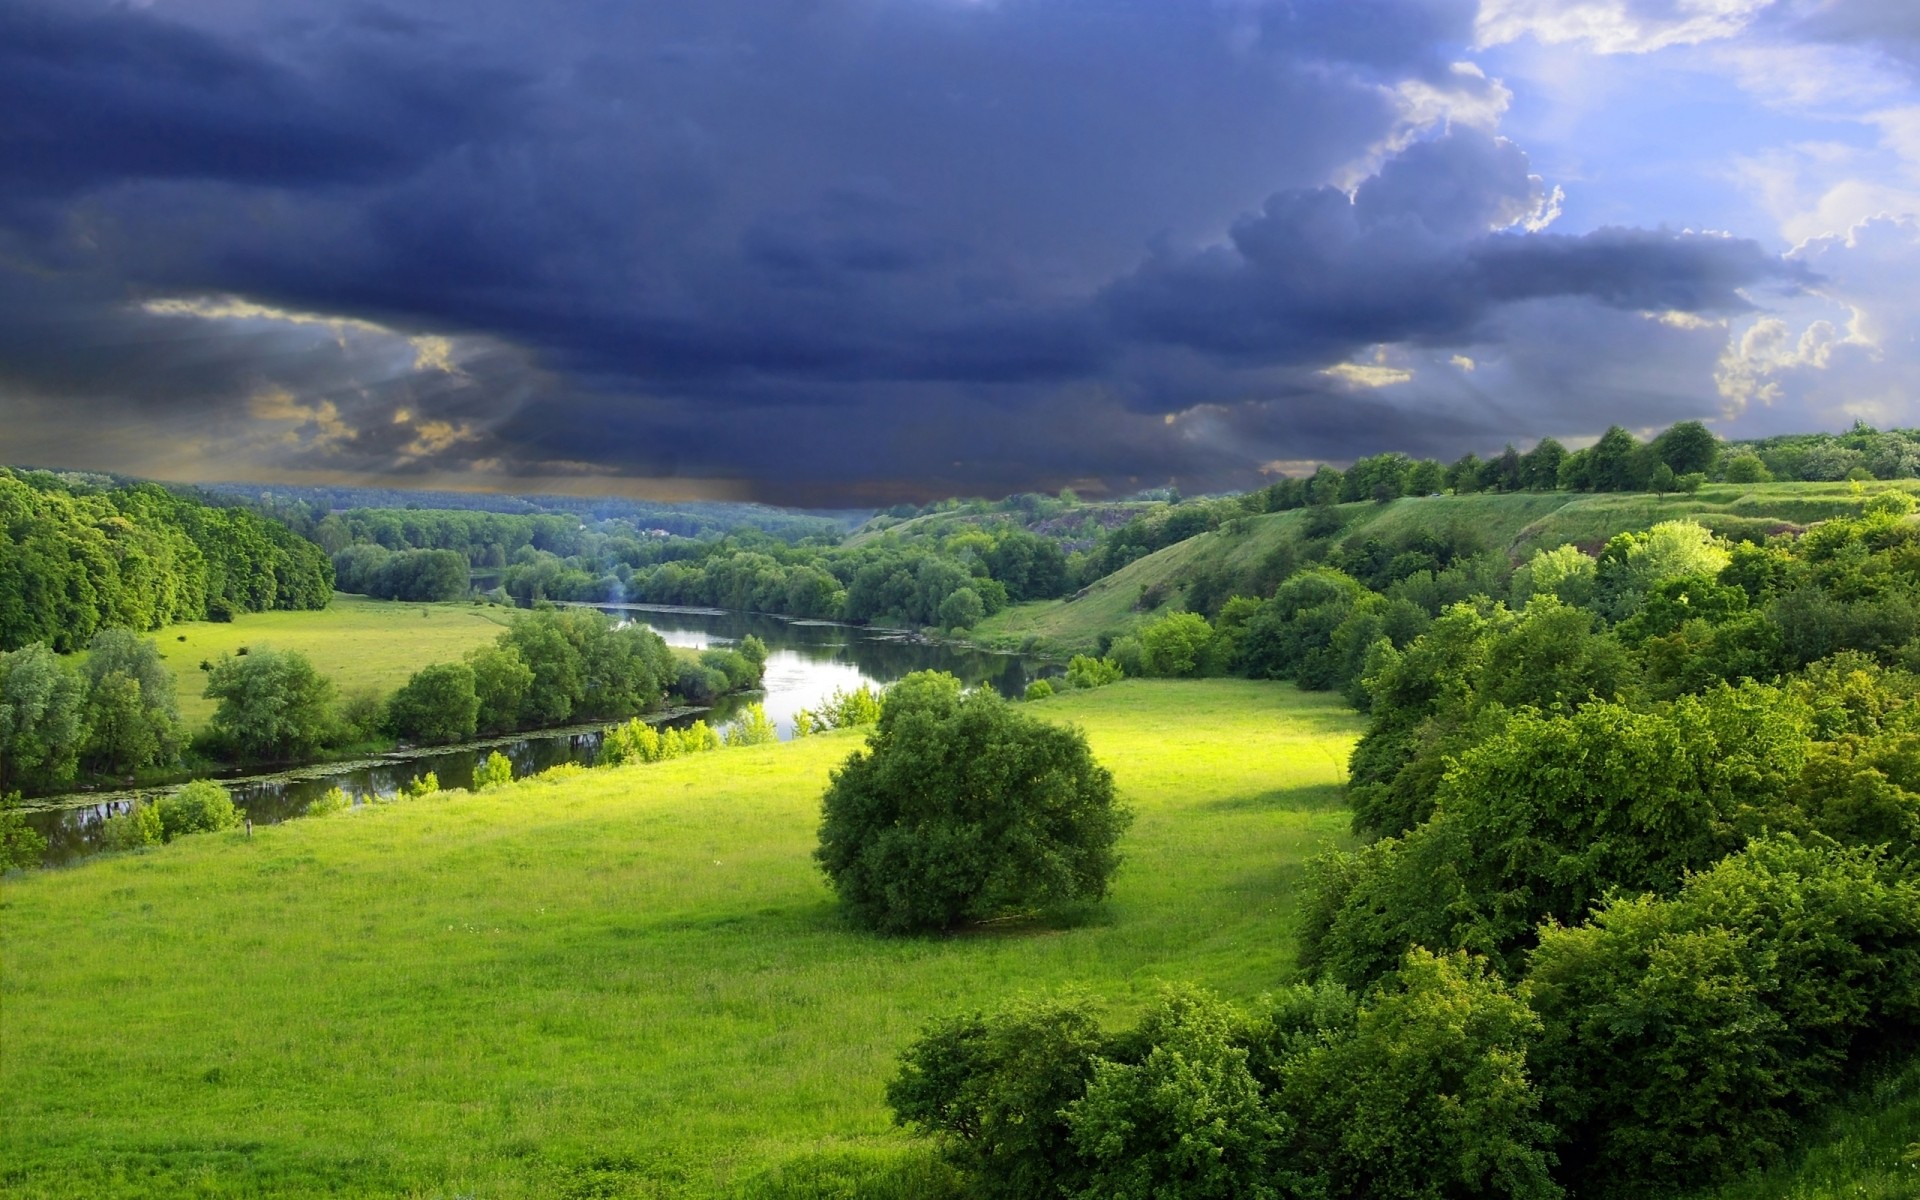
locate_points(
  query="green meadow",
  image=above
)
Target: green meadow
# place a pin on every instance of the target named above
(358, 643)
(628, 982)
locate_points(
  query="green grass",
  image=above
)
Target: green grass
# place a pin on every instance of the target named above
(1518, 524)
(356, 642)
(619, 983)
(1867, 1149)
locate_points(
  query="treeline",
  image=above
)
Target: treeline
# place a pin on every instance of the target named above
(1640, 891)
(116, 714)
(76, 558)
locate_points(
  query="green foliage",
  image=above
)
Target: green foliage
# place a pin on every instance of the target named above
(20, 844)
(272, 705)
(202, 806)
(583, 667)
(963, 808)
(502, 681)
(751, 727)
(1186, 1121)
(1177, 645)
(419, 786)
(1428, 1094)
(437, 705)
(844, 709)
(333, 800)
(1688, 1037)
(1564, 572)
(637, 741)
(137, 827)
(42, 719)
(495, 771)
(1085, 671)
(961, 609)
(1039, 689)
(994, 1087)
(133, 717)
(74, 559)
(1746, 467)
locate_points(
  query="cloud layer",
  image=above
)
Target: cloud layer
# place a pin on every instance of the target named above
(841, 251)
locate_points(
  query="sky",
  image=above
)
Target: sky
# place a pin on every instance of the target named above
(853, 252)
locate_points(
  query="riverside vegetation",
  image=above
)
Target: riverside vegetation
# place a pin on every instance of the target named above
(1628, 905)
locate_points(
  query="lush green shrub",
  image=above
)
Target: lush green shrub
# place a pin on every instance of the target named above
(1686, 1038)
(202, 806)
(437, 705)
(20, 844)
(962, 808)
(331, 801)
(1186, 1121)
(420, 785)
(130, 830)
(42, 717)
(1427, 1095)
(994, 1087)
(1177, 645)
(1039, 689)
(1084, 671)
(751, 727)
(495, 771)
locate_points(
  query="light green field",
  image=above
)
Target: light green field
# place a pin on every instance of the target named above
(1517, 523)
(356, 642)
(623, 983)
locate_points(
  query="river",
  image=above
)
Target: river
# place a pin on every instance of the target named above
(807, 661)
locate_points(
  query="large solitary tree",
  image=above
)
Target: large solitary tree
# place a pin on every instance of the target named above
(963, 808)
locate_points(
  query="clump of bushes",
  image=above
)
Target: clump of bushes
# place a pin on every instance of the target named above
(842, 710)
(495, 771)
(200, 807)
(1085, 671)
(1039, 689)
(751, 727)
(638, 742)
(962, 808)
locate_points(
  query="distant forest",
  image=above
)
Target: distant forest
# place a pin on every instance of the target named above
(77, 557)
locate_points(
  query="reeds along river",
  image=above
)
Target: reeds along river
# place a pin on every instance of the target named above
(808, 661)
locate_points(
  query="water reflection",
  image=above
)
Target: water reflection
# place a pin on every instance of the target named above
(808, 660)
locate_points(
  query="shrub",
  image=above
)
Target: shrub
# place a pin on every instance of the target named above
(1176, 645)
(1039, 689)
(20, 844)
(202, 806)
(751, 727)
(138, 826)
(1084, 671)
(422, 785)
(962, 808)
(438, 704)
(495, 771)
(333, 800)
(994, 1086)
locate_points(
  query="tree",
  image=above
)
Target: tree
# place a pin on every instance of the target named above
(1747, 467)
(962, 808)
(1176, 645)
(495, 771)
(962, 609)
(42, 719)
(1687, 448)
(273, 705)
(438, 704)
(501, 681)
(20, 844)
(1610, 461)
(132, 717)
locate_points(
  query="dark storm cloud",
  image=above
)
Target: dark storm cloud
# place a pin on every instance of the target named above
(834, 248)
(1424, 251)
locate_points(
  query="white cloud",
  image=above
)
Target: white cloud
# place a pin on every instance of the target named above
(1616, 26)
(1850, 350)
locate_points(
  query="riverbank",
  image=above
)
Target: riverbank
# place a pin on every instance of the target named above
(624, 982)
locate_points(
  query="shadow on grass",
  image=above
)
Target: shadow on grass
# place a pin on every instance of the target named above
(1313, 798)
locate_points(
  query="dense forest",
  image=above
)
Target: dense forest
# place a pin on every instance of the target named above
(1638, 894)
(76, 557)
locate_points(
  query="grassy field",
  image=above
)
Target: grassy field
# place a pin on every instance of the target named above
(1518, 524)
(621, 983)
(356, 642)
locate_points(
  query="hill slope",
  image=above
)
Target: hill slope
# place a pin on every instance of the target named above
(1517, 523)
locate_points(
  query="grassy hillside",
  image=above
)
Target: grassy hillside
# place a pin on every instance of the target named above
(356, 642)
(1517, 523)
(619, 983)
